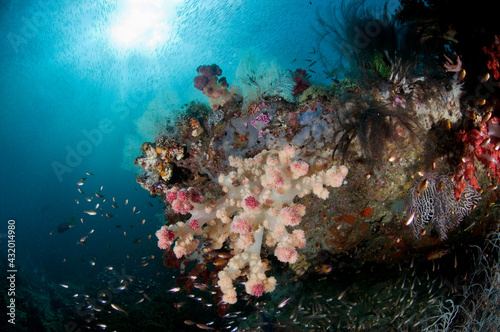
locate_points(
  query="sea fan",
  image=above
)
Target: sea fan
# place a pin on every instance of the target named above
(131, 149)
(159, 117)
(259, 78)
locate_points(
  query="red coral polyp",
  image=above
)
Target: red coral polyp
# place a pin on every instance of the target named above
(257, 290)
(477, 145)
(493, 53)
(301, 81)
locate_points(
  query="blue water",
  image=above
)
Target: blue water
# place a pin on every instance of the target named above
(71, 92)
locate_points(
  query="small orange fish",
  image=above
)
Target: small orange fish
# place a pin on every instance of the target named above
(220, 262)
(435, 254)
(423, 185)
(486, 116)
(224, 255)
(326, 269)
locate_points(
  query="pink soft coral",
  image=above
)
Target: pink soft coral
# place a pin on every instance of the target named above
(213, 87)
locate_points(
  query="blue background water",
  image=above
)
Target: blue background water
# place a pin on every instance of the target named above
(62, 75)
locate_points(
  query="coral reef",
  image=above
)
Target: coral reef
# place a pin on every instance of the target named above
(157, 159)
(236, 180)
(264, 188)
(315, 92)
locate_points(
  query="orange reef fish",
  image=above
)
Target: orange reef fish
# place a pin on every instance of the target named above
(436, 254)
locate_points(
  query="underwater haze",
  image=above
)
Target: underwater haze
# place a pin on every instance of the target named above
(118, 132)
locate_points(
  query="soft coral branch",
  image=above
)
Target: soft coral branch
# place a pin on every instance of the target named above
(493, 53)
(477, 145)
